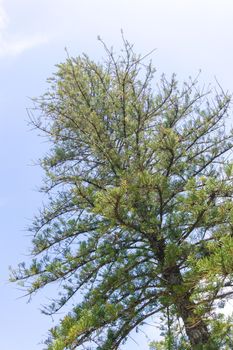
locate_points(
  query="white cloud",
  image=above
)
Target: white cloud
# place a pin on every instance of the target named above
(11, 44)
(3, 17)
(17, 46)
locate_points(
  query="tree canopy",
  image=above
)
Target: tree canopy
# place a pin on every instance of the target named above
(139, 218)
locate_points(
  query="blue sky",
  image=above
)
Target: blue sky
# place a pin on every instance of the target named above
(188, 35)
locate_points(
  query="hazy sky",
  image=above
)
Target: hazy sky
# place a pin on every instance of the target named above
(188, 35)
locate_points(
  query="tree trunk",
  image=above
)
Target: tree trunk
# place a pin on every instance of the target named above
(195, 327)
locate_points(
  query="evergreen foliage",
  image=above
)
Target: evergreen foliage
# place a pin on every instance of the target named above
(140, 215)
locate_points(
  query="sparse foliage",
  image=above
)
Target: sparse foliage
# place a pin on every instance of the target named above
(140, 213)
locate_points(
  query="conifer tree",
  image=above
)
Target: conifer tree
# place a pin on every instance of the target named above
(139, 218)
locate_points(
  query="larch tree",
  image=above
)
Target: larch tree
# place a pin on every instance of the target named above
(139, 218)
